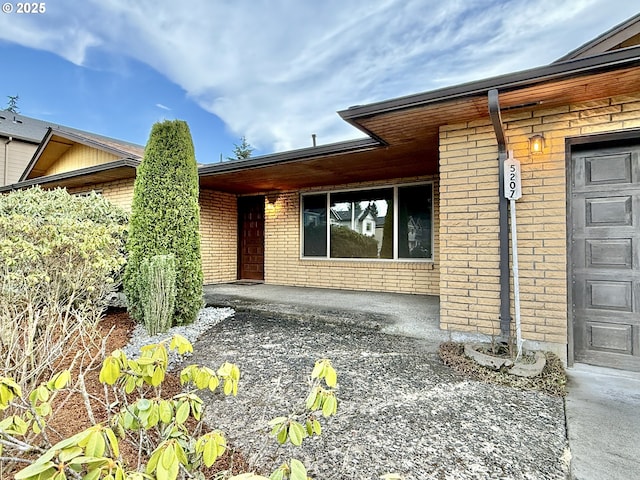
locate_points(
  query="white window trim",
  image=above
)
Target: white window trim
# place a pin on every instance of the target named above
(395, 259)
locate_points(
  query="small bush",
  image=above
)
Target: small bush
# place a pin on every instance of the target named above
(60, 258)
(158, 292)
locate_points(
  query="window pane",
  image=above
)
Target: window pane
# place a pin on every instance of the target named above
(362, 224)
(414, 222)
(314, 219)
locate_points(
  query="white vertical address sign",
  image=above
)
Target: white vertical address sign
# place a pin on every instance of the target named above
(512, 179)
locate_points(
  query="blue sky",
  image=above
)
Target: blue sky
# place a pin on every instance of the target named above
(275, 71)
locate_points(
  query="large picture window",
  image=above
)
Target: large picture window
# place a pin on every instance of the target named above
(377, 223)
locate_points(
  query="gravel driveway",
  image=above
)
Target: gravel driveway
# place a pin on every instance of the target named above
(400, 411)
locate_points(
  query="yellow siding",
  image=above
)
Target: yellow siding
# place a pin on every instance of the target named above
(469, 279)
(284, 266)
(80, 156)
(218, 236)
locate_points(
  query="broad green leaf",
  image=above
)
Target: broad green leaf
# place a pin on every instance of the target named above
(61, 379)
(92, 474)
(317, 369)
(282, 435)
(143, 404)
(331, 377)
(158, 376)
(277, 475)
(329, 406)
(296, 433)
(317, 428)
(311, 399)
(113, 442)
(36, 469)
(110, 371)
(298, 470)
(182, 413)
(68, 453)
(277, 421)
(165, 411)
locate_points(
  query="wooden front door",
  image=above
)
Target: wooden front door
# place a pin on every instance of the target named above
(605, 256)
(251, 238)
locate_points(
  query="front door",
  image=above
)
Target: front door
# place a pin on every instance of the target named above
(251, 238)
(605, 256)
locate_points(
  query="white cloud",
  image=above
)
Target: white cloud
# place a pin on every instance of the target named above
(162, 107)
(277, 70)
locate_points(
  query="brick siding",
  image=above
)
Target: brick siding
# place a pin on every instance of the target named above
(284, 266)
(469, 253)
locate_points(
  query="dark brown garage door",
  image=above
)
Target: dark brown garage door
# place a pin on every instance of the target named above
(605, 256)
(251, 238)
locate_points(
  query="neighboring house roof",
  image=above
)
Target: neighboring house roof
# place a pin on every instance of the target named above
(23, 128)
(623, 35)
(60, 139)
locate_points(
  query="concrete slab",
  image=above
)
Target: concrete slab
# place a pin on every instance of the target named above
(415, 316)
(603, 423)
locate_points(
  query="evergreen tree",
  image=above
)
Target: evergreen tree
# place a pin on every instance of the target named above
(242, 151)
(165, 219)
(12, 104)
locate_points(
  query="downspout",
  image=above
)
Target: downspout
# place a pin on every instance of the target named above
(5, 172)
(505, 302)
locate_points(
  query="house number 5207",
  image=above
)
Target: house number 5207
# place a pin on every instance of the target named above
(512, 179)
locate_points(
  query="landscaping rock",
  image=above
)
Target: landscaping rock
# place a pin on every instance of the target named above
(400, 410)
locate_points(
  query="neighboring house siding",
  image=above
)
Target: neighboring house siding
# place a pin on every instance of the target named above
(14, 157)
(218, 234)
(469, 279)
(283, 265)
(119, 192)
(80, 156)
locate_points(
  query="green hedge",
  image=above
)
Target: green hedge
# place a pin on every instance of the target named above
(165, 219)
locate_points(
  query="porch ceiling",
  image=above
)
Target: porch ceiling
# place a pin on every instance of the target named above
(377, 163)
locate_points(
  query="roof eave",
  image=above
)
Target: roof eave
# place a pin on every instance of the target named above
(60, 177)
(584, 66)
(289, 156)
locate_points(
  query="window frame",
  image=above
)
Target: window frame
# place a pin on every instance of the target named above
(395, 259)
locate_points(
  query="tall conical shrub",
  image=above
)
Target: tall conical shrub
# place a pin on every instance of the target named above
(165, 219)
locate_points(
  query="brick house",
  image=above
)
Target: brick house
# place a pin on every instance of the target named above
(429, 168)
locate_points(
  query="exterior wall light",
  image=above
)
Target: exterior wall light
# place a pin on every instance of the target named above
(536, 144)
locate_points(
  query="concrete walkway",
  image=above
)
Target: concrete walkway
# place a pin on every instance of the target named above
(602, 407)
(603, 423)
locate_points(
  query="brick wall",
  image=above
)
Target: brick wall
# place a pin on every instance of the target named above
(469, 256)
(218, 236)
(119, 192)
(284, 266)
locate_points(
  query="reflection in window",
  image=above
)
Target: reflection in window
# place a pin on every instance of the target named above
(357, 224)
(315, 225)
(414, 221)
(363, 223)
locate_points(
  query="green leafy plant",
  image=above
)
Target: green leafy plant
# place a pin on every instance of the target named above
(158, 292)
(165, 218)
(60, 258)
(167, 433)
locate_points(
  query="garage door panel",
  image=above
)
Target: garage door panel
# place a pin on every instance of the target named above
(609, 253)
(608, 169)
(609, 337)
(609, 211)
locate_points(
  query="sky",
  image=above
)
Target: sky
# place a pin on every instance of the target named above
(273, 71)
